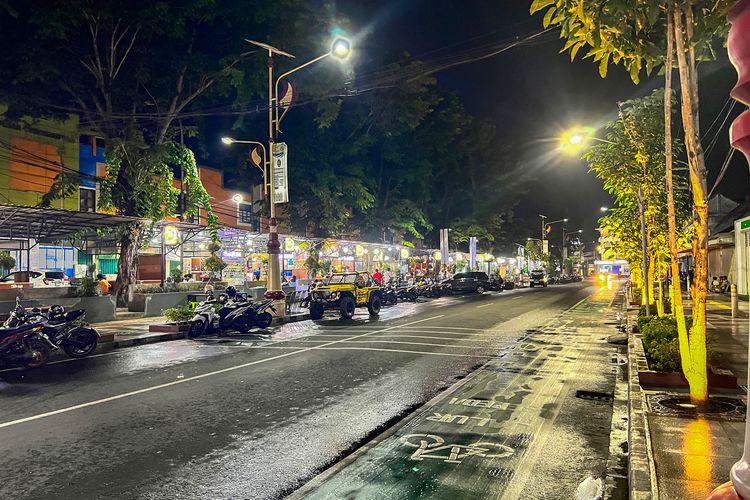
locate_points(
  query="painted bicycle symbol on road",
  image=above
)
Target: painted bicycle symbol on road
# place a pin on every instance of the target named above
(433, 447)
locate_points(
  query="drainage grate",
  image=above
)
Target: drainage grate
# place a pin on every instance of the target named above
(678, 405)
(595, 395)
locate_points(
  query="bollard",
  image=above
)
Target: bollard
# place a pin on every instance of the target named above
(735, 305)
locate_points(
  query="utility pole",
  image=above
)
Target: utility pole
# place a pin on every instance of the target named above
(544, 232)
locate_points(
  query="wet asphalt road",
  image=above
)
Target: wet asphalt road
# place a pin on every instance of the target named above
(248, 418)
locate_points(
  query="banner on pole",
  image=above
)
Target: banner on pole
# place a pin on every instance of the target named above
(280, 181)
(472, 252)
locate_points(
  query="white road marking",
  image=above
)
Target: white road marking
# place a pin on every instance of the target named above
(195, 377)
(491, 333)
(514, 298)
(385, 350)
(486, 305)
(402, 342)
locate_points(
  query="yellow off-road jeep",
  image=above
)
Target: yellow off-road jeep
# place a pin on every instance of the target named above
(345, 292)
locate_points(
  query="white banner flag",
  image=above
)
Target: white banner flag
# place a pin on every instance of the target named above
(280, 184)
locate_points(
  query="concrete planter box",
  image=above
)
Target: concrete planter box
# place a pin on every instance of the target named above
(152, 304)
(650, 379)
(676, 380)
(169, 328)
(98, 309)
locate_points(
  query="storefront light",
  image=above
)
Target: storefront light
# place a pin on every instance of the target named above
(171, 235)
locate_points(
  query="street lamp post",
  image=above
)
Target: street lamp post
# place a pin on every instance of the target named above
(565, 245)
(340, 48)
(544, 229)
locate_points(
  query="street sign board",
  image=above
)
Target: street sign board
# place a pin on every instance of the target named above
(280, 181)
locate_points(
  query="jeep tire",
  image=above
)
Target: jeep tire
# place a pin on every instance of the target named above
(316, 310)
(347, 307)
(374, 304)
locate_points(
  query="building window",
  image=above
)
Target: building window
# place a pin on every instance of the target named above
(246, 217)
(87, 200)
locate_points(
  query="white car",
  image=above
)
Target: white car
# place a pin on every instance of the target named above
(38, 279)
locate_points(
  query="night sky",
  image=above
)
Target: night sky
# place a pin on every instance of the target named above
(532, 93)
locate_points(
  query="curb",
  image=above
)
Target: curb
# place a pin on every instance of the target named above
(151, 339)
(641, 478)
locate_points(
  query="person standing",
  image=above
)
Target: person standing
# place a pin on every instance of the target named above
(104, 285)
(378, 277)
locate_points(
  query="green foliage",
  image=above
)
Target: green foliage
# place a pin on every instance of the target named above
(180, 314)
(7, 262)
(632, 159)
(628, 32)
(314, 264)
(176, 275)
(407, 159)
(660, 342)
(214, 263)
(89, 287)
(149, 289)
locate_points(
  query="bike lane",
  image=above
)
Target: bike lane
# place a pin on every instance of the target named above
(512, 429)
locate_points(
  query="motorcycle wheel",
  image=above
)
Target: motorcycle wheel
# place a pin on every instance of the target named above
(263, 320)
(40, 353)
(81, 343)
(412, 296)
(194, 330)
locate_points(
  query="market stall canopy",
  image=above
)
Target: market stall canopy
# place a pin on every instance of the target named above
(54, 224)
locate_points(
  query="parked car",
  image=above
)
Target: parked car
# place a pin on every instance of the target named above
(477, 282)
(38, 279)
(538, 278)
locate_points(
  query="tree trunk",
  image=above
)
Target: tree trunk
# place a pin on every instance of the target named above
(693, 351)
(678, 308)
(647, 288)
(130, 243)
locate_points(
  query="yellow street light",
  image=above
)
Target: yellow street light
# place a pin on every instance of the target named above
(227, 140)
(237, 198)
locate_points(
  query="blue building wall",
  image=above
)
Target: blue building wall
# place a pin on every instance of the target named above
(87, 163)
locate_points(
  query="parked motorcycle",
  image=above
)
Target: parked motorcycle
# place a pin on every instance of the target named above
(63, 330)
(406, 291)
(20, 343)
(390, 295)
(60, 329)
(231, 314)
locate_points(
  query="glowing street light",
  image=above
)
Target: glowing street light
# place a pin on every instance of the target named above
(341, 48)
(604, 209)
(237, 198)
(575, 139)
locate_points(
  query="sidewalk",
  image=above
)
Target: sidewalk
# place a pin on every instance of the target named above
(534, 422)
(689, 457)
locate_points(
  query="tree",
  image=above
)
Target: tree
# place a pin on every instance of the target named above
(137, 73)
(637, 33)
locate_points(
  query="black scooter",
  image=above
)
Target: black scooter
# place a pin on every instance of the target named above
(233, 314)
